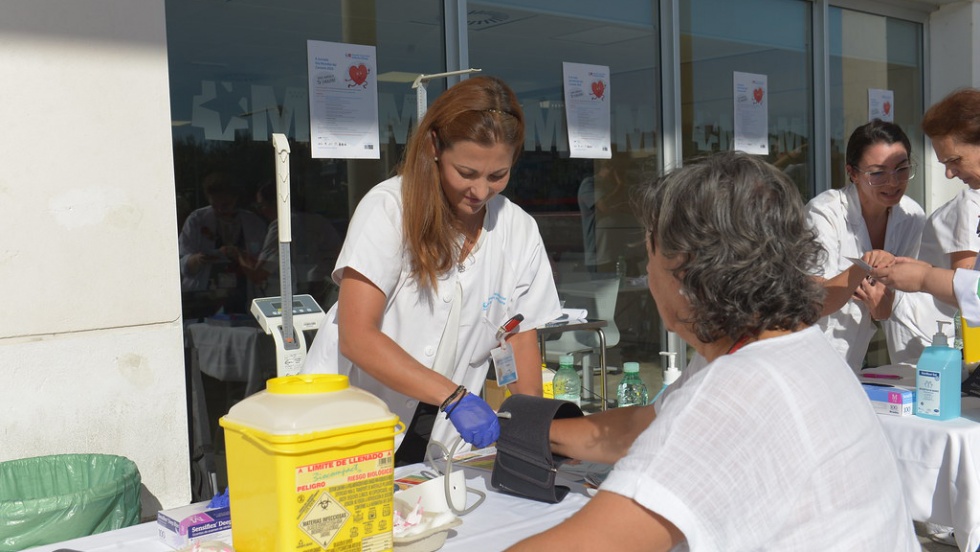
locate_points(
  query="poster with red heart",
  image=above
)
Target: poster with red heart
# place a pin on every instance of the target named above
(751, 124)
(587, 110)
(881, 105)
(343, 100)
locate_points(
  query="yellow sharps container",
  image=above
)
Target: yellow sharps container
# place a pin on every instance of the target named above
(311, 467)
(971, 344)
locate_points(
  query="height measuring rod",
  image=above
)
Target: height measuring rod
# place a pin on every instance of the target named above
(280, 316)
(284, 217)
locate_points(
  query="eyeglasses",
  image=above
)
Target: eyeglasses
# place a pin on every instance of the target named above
(880, 178)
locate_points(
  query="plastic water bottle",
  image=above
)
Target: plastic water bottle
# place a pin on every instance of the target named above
(621, 267)
(567, 385)
(632, 391)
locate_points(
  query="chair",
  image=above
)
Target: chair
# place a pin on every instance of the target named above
(597, 293)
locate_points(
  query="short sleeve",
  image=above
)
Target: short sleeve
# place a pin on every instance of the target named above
(374, 245)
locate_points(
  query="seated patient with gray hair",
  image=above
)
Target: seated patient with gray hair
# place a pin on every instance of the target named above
(767, 441)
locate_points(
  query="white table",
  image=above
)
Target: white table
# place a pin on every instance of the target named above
(233, 353)
(939, 463)
(499, 522)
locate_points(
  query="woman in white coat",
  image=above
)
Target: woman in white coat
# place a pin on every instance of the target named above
(434, 264)
(872, 219)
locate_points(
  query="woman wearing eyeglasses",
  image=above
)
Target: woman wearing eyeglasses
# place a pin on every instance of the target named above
(870, 219)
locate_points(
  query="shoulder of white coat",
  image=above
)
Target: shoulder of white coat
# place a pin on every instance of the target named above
(912, 207)
(386, 194)
(826, 200)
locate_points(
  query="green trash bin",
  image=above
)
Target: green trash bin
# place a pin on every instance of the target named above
(48, 499)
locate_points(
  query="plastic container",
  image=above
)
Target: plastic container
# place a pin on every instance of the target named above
(547, 382)
(566, 383)
(631, 390)
(971, 343)
(937, 380)
(311, 466)
(48, 499)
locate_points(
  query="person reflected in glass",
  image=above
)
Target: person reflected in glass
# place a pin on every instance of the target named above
(313, 250)
(870, 219)
(603, 200)
(766, 441)
(434, 263)
(218, 243)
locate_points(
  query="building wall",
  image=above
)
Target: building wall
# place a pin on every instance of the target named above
(954, 60)
(91, 353)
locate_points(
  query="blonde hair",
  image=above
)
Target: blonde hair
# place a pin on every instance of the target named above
(483, 110)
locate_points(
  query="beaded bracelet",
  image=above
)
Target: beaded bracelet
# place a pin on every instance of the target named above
(451, 398)
(449, 409)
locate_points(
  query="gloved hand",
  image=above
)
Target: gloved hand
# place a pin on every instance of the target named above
(474, 420)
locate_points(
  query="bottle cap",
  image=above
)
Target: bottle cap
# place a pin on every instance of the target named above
(631, 367)
(566, 359)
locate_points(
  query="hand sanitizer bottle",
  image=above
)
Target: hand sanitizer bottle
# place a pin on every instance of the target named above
(937, 380)
(671, 373)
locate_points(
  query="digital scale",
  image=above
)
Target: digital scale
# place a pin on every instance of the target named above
(286, 326)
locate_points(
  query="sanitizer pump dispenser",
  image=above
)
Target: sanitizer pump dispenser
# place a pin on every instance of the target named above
(937, 380)
(671, 373)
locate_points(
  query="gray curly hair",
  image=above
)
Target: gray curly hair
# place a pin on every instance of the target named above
(746, 250)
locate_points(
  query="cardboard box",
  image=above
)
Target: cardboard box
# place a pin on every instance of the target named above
(185, 525)
(890, 399)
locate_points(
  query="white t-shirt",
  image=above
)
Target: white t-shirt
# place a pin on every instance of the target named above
(773, 447)
(507, 273)
(836, 217)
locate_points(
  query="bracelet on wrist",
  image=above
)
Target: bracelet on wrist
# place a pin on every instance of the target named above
(452, 397)
(451, 407)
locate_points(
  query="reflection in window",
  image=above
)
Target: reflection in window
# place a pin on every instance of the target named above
(874, 52)
(768, 37)
(238, 74)
(581, 205)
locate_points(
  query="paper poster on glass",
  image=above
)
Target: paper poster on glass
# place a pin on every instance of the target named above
(587, 110)
(343, 100)
(751, 113)
(881, 105)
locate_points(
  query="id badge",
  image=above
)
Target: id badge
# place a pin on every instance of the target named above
(504, 364)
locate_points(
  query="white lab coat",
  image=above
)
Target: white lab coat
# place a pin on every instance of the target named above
(507, 273)
(200, 235)
(836, 217)
(950, 228)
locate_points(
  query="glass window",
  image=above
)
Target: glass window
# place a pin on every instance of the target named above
(874, 52)
(238, 74)
(581, 204)
(768, 37)
(870, 51)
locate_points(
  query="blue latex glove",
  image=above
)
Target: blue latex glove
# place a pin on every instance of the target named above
(474, 420)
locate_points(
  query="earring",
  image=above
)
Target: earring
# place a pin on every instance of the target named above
(436, 159)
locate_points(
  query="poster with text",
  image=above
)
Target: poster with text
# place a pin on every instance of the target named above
(587, 110)
(881, 105)
(343, 100)
(751, 113)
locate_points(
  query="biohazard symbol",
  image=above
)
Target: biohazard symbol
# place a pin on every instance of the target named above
(323, 523)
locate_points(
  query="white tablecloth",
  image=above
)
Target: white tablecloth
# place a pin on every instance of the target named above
(499, 522)
(939, 463)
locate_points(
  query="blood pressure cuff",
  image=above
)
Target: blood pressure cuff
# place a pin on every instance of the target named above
(524, 465)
